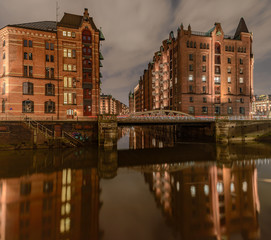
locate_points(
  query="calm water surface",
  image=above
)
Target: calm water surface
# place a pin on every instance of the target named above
(149, 187)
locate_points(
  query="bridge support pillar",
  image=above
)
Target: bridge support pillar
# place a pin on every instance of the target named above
(223, 131)
(107, 130)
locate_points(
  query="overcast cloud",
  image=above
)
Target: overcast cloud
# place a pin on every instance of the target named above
(135, 29)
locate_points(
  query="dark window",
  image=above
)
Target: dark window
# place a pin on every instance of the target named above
(74, 53)
(217, 69)
(25, 71)
(24, 207)
(190, 88)
(3, 110)
(52, 72)
(51, 46)
(191, 99)
(229, 100)
(204, 89)
(25, 43)
(28, 106)
(30, 71)
(241, 61)
(229, 89)
(204, 45)
(200, 45)
(187, 44)
(49, 89)
(207, 45)
(30, 56)
(47, 72)
(191, 57)
(230, 48)
(191, 110)
(204, 109)
(242, 100)
(25, 55)
(30, 43)
(52, 58)
(4, 55)
(73, 34)
(49, 107)
(190, 67)
(217, 110)
(191, 44)
(203, 68)
(229, 60)
(204, 100)
(28, 88)
(25, 189)
(47, 204)
(47, 58)
(195, 45)
(226, 48)
(4, 43)
(217, 48)
(241, 90)
(242, 110)
(217, 60)
(204, 58)
(47, 45)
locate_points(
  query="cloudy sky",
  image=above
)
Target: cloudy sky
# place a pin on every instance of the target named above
(134, 30)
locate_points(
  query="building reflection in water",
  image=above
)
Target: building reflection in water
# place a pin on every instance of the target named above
(58, 205)
(204, 201)
(152, 136)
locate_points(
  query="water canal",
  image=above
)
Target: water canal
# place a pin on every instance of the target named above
(148, 187)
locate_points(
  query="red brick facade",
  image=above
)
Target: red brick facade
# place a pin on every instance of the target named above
(201, 73)
(50, 70)
(109, 105)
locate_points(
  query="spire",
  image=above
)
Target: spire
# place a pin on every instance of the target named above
(242, 27)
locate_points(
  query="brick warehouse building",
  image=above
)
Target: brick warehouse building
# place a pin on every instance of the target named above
(200, 73)
(51, 69)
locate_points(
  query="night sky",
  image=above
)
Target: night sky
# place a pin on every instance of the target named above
(135, 29)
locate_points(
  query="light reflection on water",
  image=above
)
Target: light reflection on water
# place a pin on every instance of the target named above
(183, 191)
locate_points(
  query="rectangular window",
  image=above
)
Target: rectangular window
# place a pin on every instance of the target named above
(46, 45)
(74, 98)
(204, 109)
(203, 68)
(241, 61)
(190, 78)
(241, 100)
(229, 79)
(69, 82)
(217, 80)
(73, 34)
(69, 98)
(203, 78)
(51, 46)
(65, 67)
(242, 110)
(229, 70)
(69, 53)
(190, 67)
(47, 58)
(65, 98)
(229, 89)
(229, 60)
(25, 56)
(69, 34)
(229, 100)
(191, 110)
(47, 72)
(204, 89)
(48, 186)
(241, 80)
(25, 71)
(191, 99)
(74, 68)
(204, 58)
(190, 88)
(30, 43)
(25, 43)
(230, 110)
(217, 110)
(241, 90)
(73, 53)
(52, 58)
(30, 71)
(204, 100)
(52, 73)
(25, 189)
(65, 80)
(69, 67)
(191, 57)
(64, 33)
(65, 52)
(241, 70)
(30, 56)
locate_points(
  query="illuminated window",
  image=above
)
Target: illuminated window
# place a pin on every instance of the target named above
(190, 77)
(206, 190)
(193, 191)
(64, 33)
(241, 80)
(244, 186)
(65, 52)
(220, 187)
(232, 187)
(203, 78)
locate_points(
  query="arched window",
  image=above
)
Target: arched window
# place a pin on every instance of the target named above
(204, 45)
(217, 48)
(201, 45)
(239, 49)
(49, 107)
(28, 106)
(195, 45)
(226, 48)
(49, 89)
(4, 43)
(207, 45)
(187, 44)
(230, 48)
(28, 88)
(191, 44)
(3, 106)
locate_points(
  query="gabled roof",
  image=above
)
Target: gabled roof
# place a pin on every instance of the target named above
(74, 21)
(242, 27)
(43, 25)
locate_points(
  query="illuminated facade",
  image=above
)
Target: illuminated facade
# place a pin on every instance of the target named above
(50, 69)
(201, 73)
(261, 105)
(109, 105)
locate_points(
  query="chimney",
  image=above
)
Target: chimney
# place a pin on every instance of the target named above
(86, 14)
